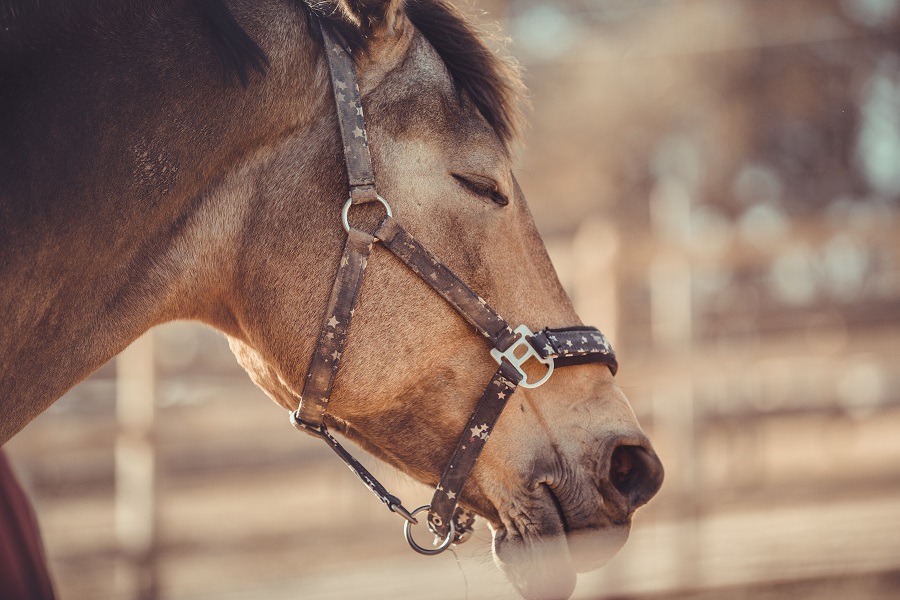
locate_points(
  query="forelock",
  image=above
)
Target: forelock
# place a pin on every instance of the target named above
(491, 81)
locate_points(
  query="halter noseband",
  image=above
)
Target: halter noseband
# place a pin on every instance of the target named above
(511, 348)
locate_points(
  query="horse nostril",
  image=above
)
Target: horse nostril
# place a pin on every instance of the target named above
(636, 473)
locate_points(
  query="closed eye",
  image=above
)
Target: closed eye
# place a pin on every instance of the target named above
(483, 187)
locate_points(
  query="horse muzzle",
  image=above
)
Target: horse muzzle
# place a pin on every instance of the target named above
(574, 516)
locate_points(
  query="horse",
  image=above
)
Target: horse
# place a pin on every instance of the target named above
(176, 159)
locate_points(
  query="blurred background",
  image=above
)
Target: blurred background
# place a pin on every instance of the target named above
(717, 182)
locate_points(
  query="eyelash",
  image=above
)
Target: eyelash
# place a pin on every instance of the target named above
(483, 190)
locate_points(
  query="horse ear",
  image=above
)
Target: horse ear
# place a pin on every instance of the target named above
(378, 17)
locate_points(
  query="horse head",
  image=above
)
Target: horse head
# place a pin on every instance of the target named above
(136, 187)
(567, 463)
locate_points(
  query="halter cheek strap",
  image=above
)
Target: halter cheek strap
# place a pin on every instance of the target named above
(352, 122)
(510, 348)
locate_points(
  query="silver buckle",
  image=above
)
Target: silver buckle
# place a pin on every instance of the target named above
(518, 360)
(345, 211)
(440, 546)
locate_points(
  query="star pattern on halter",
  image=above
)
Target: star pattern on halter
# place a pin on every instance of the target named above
(333, 322)
(480, 431)
(560, 346)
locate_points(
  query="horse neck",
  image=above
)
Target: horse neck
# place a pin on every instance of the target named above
(106, 158)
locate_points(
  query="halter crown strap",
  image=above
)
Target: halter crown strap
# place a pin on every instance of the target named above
(348, 102)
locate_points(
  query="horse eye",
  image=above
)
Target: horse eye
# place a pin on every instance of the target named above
(482, 187)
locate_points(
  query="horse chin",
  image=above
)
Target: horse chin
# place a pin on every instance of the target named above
(539, 568)
(592, 549)
(544, 567)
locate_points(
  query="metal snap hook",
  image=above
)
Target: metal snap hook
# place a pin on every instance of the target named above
(345, 212)
(401, 510)
(407, 530)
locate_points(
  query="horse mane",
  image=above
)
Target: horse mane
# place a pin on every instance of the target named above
(32, 26)
(491, 82)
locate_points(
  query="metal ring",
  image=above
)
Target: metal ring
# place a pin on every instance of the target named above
(346, 210)
(407, 530)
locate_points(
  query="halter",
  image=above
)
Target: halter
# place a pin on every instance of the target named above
(510, 348)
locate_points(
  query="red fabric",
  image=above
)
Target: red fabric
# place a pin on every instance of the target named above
(23, 567)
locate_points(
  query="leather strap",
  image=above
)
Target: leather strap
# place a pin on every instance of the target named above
(469, 447)
(349, 108)
(321, 432)
(575, 346)
(326, 357)
(451, 288)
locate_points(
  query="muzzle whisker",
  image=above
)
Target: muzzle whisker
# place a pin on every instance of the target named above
(461, 571)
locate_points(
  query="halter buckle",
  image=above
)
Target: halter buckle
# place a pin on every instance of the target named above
(517, 360)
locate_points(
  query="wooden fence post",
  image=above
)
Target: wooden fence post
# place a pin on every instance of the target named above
(135, 499)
